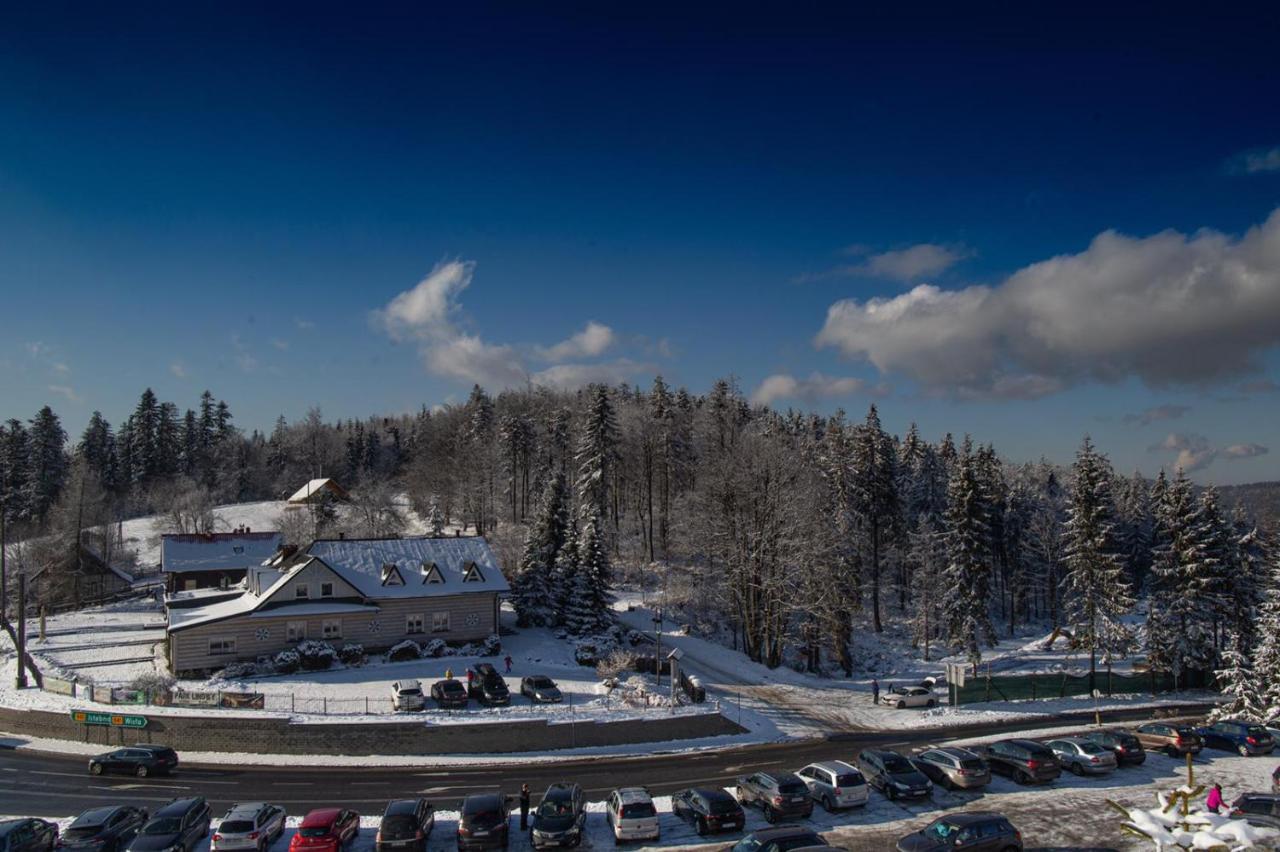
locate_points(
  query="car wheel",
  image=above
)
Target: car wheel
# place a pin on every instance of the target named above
(891, 794)
(769, 816)
(1022, 777)
(932, 703)
(141, 771)
(95, 768)
(1076, 769)
(828, 804)
(900, 705)
(1171, 751)
(701, 827)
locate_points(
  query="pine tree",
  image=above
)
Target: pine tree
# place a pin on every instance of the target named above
(587, 607)
(1098, 593)
(543, 543)
(967, 585)
(98, 449)
(564, 578)
(929, 561)
(596, 455)
(15, 472)
(435, 518)
(49, 463)
(1266, 660)
(875, 501)
(168, 441)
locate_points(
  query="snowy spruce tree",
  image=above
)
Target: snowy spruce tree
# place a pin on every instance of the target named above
(967, 578)
(543, 544)
(875, 502)
(1266, 660)
(435, 518)
(565, 574)
(587, 604)
(597, 455)
(1098, 592)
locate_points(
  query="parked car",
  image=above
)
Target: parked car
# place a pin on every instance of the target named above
(103, 829)
(484, 822)
(780, 838)
(1124, 745)
(953, 768)
(560, 817)
(540, 689)
(28, 835)
(1173, 740)
(1246, 738)
(1260, 809)
(1025, 761)
(140, 760)
(407, 695)
(979, 831)
(406, 825)
(255, 825)
(326, 830)
(893, 775)
(1275, 780)
(777, 794)
(488, 687)
(1083, 756)
(909, 696)
(835, 784)
(708, 810)
(178, 826)
(631, 815)
(449, 694)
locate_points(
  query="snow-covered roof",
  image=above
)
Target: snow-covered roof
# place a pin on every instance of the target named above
(180, 619)
(180, 553)
(366, 563)
(314, 487)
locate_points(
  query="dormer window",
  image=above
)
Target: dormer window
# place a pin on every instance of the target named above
(391, 575)
(431, 573)
(472, 574)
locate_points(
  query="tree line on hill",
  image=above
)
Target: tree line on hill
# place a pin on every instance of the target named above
(796, 531)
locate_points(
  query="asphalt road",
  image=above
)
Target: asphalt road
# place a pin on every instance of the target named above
(48, 785)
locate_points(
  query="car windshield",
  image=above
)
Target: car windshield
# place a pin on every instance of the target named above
(555, 808)
(940, 830)
(1187, 732)
(639, 810)
(453, 687)
(792, 788)
(849, 779)
(482, 817)
(236, 826)
(1092, 748)
(314, 831)
(162, 826)
(799, 841)
(896, 765)
(399, 824)
(722, 805)
(412, 690)
(971, 763)
(78, 831)
(541, 682)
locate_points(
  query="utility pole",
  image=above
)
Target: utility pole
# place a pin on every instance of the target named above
(657, 646)
(21, 680)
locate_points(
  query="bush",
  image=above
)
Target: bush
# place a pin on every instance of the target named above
(287, 662)
(491, 646)
(237, 671)
(406, 650)
(435, 648)
(352, 654)
(617, 662)
(316, 656)
(586, 654)
(153, 683)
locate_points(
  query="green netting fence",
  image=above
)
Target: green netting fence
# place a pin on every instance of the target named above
(1050, 685)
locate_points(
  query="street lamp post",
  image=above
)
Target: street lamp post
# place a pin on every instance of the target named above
(657, 646)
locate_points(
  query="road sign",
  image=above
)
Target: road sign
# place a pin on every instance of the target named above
(110, 720)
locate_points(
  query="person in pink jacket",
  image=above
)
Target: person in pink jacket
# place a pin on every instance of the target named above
(1214, 800)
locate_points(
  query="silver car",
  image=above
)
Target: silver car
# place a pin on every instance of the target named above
(1083, 757)
(835, 784)
(954, 768)
(254, 826)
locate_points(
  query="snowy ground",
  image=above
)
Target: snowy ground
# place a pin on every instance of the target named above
(1070, 814)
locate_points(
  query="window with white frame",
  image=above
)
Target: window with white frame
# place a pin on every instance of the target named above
(326, 590)
(414, 623)
(439, 622)
(295, 631)
(224, 645)
(332, 628)
(302, 590)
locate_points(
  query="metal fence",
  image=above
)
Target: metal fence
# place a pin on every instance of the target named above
(1057, 685)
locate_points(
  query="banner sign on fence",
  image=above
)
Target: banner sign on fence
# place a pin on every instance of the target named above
(186, 698)
(60, 686)
(112, 720)
(120, 695)
(244, 700)
(100, 694)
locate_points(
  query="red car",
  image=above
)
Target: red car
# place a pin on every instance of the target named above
(326, 830)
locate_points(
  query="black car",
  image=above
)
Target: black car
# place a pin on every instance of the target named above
(140, 760)
(1126, 746)
(27, 835)
(779, 838)
(980, 831)
(484, 822)
(1258, 809)
(540, 689)
(406, 824)
(449, 694)
(708, 809)
(176, 827)
(103, 829)
(488, 687)
(894, 775)
(560, 817)
(1025, 761)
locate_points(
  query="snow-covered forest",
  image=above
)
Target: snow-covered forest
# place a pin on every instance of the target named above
(795, 530)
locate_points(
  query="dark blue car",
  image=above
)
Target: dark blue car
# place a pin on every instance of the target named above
(1233, 735)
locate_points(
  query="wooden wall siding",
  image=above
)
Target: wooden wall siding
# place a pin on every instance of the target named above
(315, 573)
(189, 649)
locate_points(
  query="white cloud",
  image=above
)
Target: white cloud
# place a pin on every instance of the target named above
(63, 390)
(244, 358)
(426, 314)
(1255, 162)
(1245, 451)
(1166, 309)
(1156, 414)
(37, 349)
(908, 264)
(178, 369)
(59, 367)
(303, 324)
(810, 390)
(1195, 452)
(282, 345)
(591, 342)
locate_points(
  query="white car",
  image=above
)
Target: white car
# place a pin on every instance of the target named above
(835, 784)
(631, 814)
(407, 695)
(253, 826)
(909, 696)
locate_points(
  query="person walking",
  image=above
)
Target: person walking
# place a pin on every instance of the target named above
(1214, 800)
(524, 807)
(875, 691)
(507, 660)
(471, 676)
(448, 674)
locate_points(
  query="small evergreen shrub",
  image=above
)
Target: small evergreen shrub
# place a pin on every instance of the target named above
(352, 654)
(406, 650)
(287, 661)
(316, 656)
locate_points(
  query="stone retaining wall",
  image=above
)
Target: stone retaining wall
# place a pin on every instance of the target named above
(281, 736)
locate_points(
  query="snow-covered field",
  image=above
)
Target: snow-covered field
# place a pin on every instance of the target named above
(1069, 814)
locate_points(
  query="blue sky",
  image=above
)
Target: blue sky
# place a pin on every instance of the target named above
(833, 209)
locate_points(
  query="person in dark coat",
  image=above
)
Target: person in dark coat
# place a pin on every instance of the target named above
(875, 691)
(524, 807)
